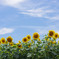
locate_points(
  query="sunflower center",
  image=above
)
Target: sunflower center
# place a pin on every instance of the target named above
(28, 37)
(3, 41)
(36, 35)
(51, 33)
(25, 39)
(56, 35)
(11, 44)
(9, 40)
(19, 46)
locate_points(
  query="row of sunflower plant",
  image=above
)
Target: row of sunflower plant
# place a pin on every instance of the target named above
(31, 48)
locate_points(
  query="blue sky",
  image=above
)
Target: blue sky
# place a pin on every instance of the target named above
(21, 17)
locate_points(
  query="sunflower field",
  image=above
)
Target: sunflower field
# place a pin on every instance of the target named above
(31, 47)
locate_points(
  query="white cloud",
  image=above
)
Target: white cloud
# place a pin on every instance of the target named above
(54, 18)
(41, 12)
(6, 30)
(37, 8)
(12, 3)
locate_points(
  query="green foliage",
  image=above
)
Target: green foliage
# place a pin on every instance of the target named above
(47, 48)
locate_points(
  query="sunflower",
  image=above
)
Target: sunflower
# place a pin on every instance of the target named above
(47, 39)
(29, 45)
(0, 41)
(58, 35)
(48, 43)
(9, 39)
(51, 33)
(3, 41)
(36, 36)
(55, 36)
(39, 39)
(51, 41)
(19, 41)
(11, 43)
(20, 46)
(29, 37)
(25, 40)
(54, 42)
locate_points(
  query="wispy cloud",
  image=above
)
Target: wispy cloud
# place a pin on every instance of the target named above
(11, 2)
(6, 30)
(41, 12)
(37, 8)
